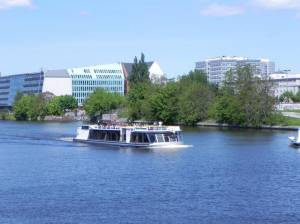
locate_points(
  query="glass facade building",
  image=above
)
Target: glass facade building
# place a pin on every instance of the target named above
(87, 79)
(31, 83)
(78, 82)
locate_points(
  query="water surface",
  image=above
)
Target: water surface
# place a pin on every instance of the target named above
(229, 176)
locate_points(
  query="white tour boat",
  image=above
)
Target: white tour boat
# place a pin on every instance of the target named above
(295, 140)
(143, 136)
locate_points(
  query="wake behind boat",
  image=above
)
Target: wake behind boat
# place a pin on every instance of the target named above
(295, 141)
(138, 136)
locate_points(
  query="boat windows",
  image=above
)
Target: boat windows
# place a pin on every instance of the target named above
(105, 135)
(139, 138)
(152, 138)
(170, 137)
(160, 138)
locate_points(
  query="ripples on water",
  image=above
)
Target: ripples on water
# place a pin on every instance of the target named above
(229, 176)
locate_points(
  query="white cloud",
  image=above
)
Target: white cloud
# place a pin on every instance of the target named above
(6, 4)
(219, 10)
(278, 4)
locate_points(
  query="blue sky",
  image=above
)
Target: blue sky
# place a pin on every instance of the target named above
(54, 34)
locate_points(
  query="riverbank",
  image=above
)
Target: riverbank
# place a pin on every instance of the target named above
(270, 127)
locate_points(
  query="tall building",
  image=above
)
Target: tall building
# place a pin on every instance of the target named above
(216, 68)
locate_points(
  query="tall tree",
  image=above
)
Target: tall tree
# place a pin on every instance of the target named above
(246, 99)
(139, 73)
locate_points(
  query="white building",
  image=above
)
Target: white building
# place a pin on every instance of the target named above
(57, 82)
(284, 82)
(216, 68)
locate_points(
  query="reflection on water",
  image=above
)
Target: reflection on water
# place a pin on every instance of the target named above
(228, 176)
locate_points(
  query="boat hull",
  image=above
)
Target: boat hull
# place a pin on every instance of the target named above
(129, 145)
(297, 144)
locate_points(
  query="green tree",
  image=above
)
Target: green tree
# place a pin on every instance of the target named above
(245, 99)
(54, 107)
(194, 103)
(195, 76)
(164, 103)
(138, 101)
(67, 103)
(30, 107)
(58, 105)
(21, 108)
(139, 71)
(100, 102)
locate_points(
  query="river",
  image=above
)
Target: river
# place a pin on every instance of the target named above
(229, 176)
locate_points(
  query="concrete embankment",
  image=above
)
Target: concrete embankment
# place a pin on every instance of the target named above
(270, 127)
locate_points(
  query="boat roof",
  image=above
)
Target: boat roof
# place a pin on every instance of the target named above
(136, 128)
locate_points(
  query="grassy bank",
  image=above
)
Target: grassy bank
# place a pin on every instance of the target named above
(289, 121)
(7, 117)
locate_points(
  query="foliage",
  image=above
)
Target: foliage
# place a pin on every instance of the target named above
(60, 104)
(290, 96)
(30, 107)
(67, 103)
(138, 101)
(195, 76)
(195, 103)
(187, 100)
(196, 96)
(139, 73)
(245, 99)
(163, 104)
(36, 107)
(100, 102)
(54, 108)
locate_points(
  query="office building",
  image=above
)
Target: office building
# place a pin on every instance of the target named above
(216, 68)
(79, 82)
(86, 80)
(285, 82)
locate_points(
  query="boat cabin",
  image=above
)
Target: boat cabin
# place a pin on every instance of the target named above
(132, 134)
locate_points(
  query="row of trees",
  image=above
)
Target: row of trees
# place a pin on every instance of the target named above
(185, 101)
(243, 99)
(36, 107)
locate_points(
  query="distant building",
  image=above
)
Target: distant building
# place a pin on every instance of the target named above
(30, 83)
(284, 82)
(216, 68)
(86, 80)
(78, 82)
